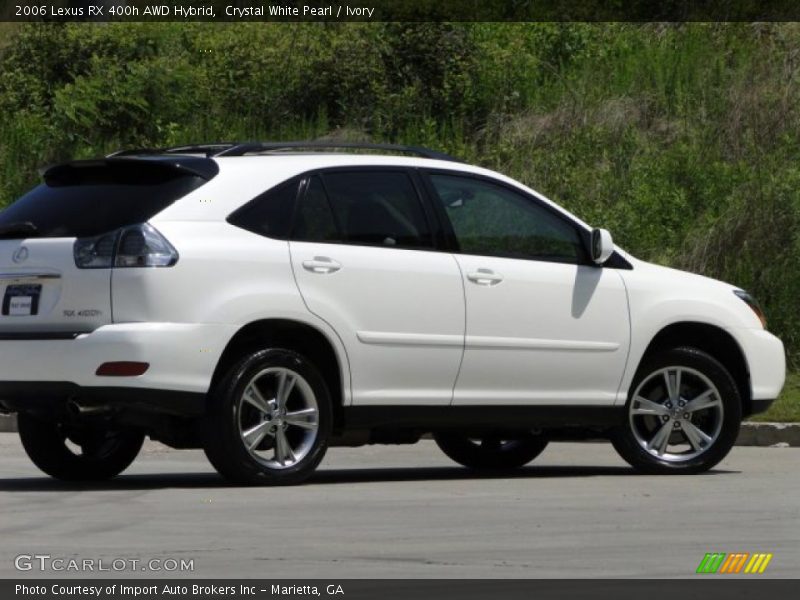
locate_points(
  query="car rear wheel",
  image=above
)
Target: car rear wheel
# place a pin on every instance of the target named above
(490, 451)
(78, 452)
(269, 420)
(682, 416)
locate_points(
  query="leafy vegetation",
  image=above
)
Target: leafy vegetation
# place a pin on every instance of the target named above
(787, 408)
(682, 139)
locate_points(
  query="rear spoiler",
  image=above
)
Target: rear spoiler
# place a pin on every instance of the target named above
(205, 168)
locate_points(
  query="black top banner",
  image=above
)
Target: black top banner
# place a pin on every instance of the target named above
(399, 10)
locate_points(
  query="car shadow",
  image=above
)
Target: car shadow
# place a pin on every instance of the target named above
(321, 477)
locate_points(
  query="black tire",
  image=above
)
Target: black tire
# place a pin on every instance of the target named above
(223, 427)
(490, 452)
(726, 425)
(104, 452)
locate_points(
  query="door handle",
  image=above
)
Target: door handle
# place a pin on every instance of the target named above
(322, 265)
(485, 277)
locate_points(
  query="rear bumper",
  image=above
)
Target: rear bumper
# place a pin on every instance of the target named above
(54, 398)
(181, 358)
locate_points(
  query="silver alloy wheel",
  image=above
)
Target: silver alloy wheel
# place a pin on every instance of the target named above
(278, 417)
(676, 414)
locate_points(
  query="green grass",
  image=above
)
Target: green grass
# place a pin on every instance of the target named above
(787, 408)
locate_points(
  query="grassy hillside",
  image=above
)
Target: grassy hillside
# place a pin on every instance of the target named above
(787, 408)
(681, 139)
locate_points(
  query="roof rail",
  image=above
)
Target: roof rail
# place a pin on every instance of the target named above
(243, 148)
(254, 147)
(206, 149)
(132, 152)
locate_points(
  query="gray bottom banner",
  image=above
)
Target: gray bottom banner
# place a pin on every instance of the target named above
(390, 589)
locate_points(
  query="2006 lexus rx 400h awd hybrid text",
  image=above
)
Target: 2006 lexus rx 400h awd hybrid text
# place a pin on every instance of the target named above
(264, 301)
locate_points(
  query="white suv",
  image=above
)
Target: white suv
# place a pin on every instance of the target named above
(265, 301)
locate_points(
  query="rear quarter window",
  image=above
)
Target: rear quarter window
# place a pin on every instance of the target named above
(270, 213)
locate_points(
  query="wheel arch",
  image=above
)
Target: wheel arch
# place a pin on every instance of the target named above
(712, 340)
(295, 335)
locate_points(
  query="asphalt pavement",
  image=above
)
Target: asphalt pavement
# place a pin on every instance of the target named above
(405, 511)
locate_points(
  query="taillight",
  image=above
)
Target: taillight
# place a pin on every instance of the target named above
(135, 246)
(143, 246)
(96, 252)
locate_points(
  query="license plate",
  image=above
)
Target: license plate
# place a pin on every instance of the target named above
(21, 300)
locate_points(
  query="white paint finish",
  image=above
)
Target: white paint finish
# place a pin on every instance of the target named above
(605, 246)
(225, 275)
(660, 297)
(407, 306)
(766, 360)
(538, 333)
(383, 338)
(514, 343)
(71, 299)
(548, 333)
(181, 356)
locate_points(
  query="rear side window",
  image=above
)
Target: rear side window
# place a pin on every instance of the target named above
(375, 208)
(85, 201)
(269, 214)
(314, 222)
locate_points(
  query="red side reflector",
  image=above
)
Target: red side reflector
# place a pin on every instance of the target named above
(122, 369)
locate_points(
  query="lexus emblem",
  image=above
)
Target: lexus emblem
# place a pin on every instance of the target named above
(20, 254)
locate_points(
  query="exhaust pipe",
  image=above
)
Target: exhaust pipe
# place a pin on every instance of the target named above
(85, 410)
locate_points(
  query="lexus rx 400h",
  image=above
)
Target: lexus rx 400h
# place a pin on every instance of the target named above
(265, 301)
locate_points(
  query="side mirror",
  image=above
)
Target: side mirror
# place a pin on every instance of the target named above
(602, 246)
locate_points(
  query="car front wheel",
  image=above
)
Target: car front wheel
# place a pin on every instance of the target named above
(682, 416)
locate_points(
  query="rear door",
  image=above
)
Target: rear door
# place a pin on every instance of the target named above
(363, 255)
(57, 241)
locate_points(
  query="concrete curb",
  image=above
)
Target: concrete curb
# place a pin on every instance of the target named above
(769, 434)
(751, 434)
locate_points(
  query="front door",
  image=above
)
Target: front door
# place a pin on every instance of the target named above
(544, 327)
